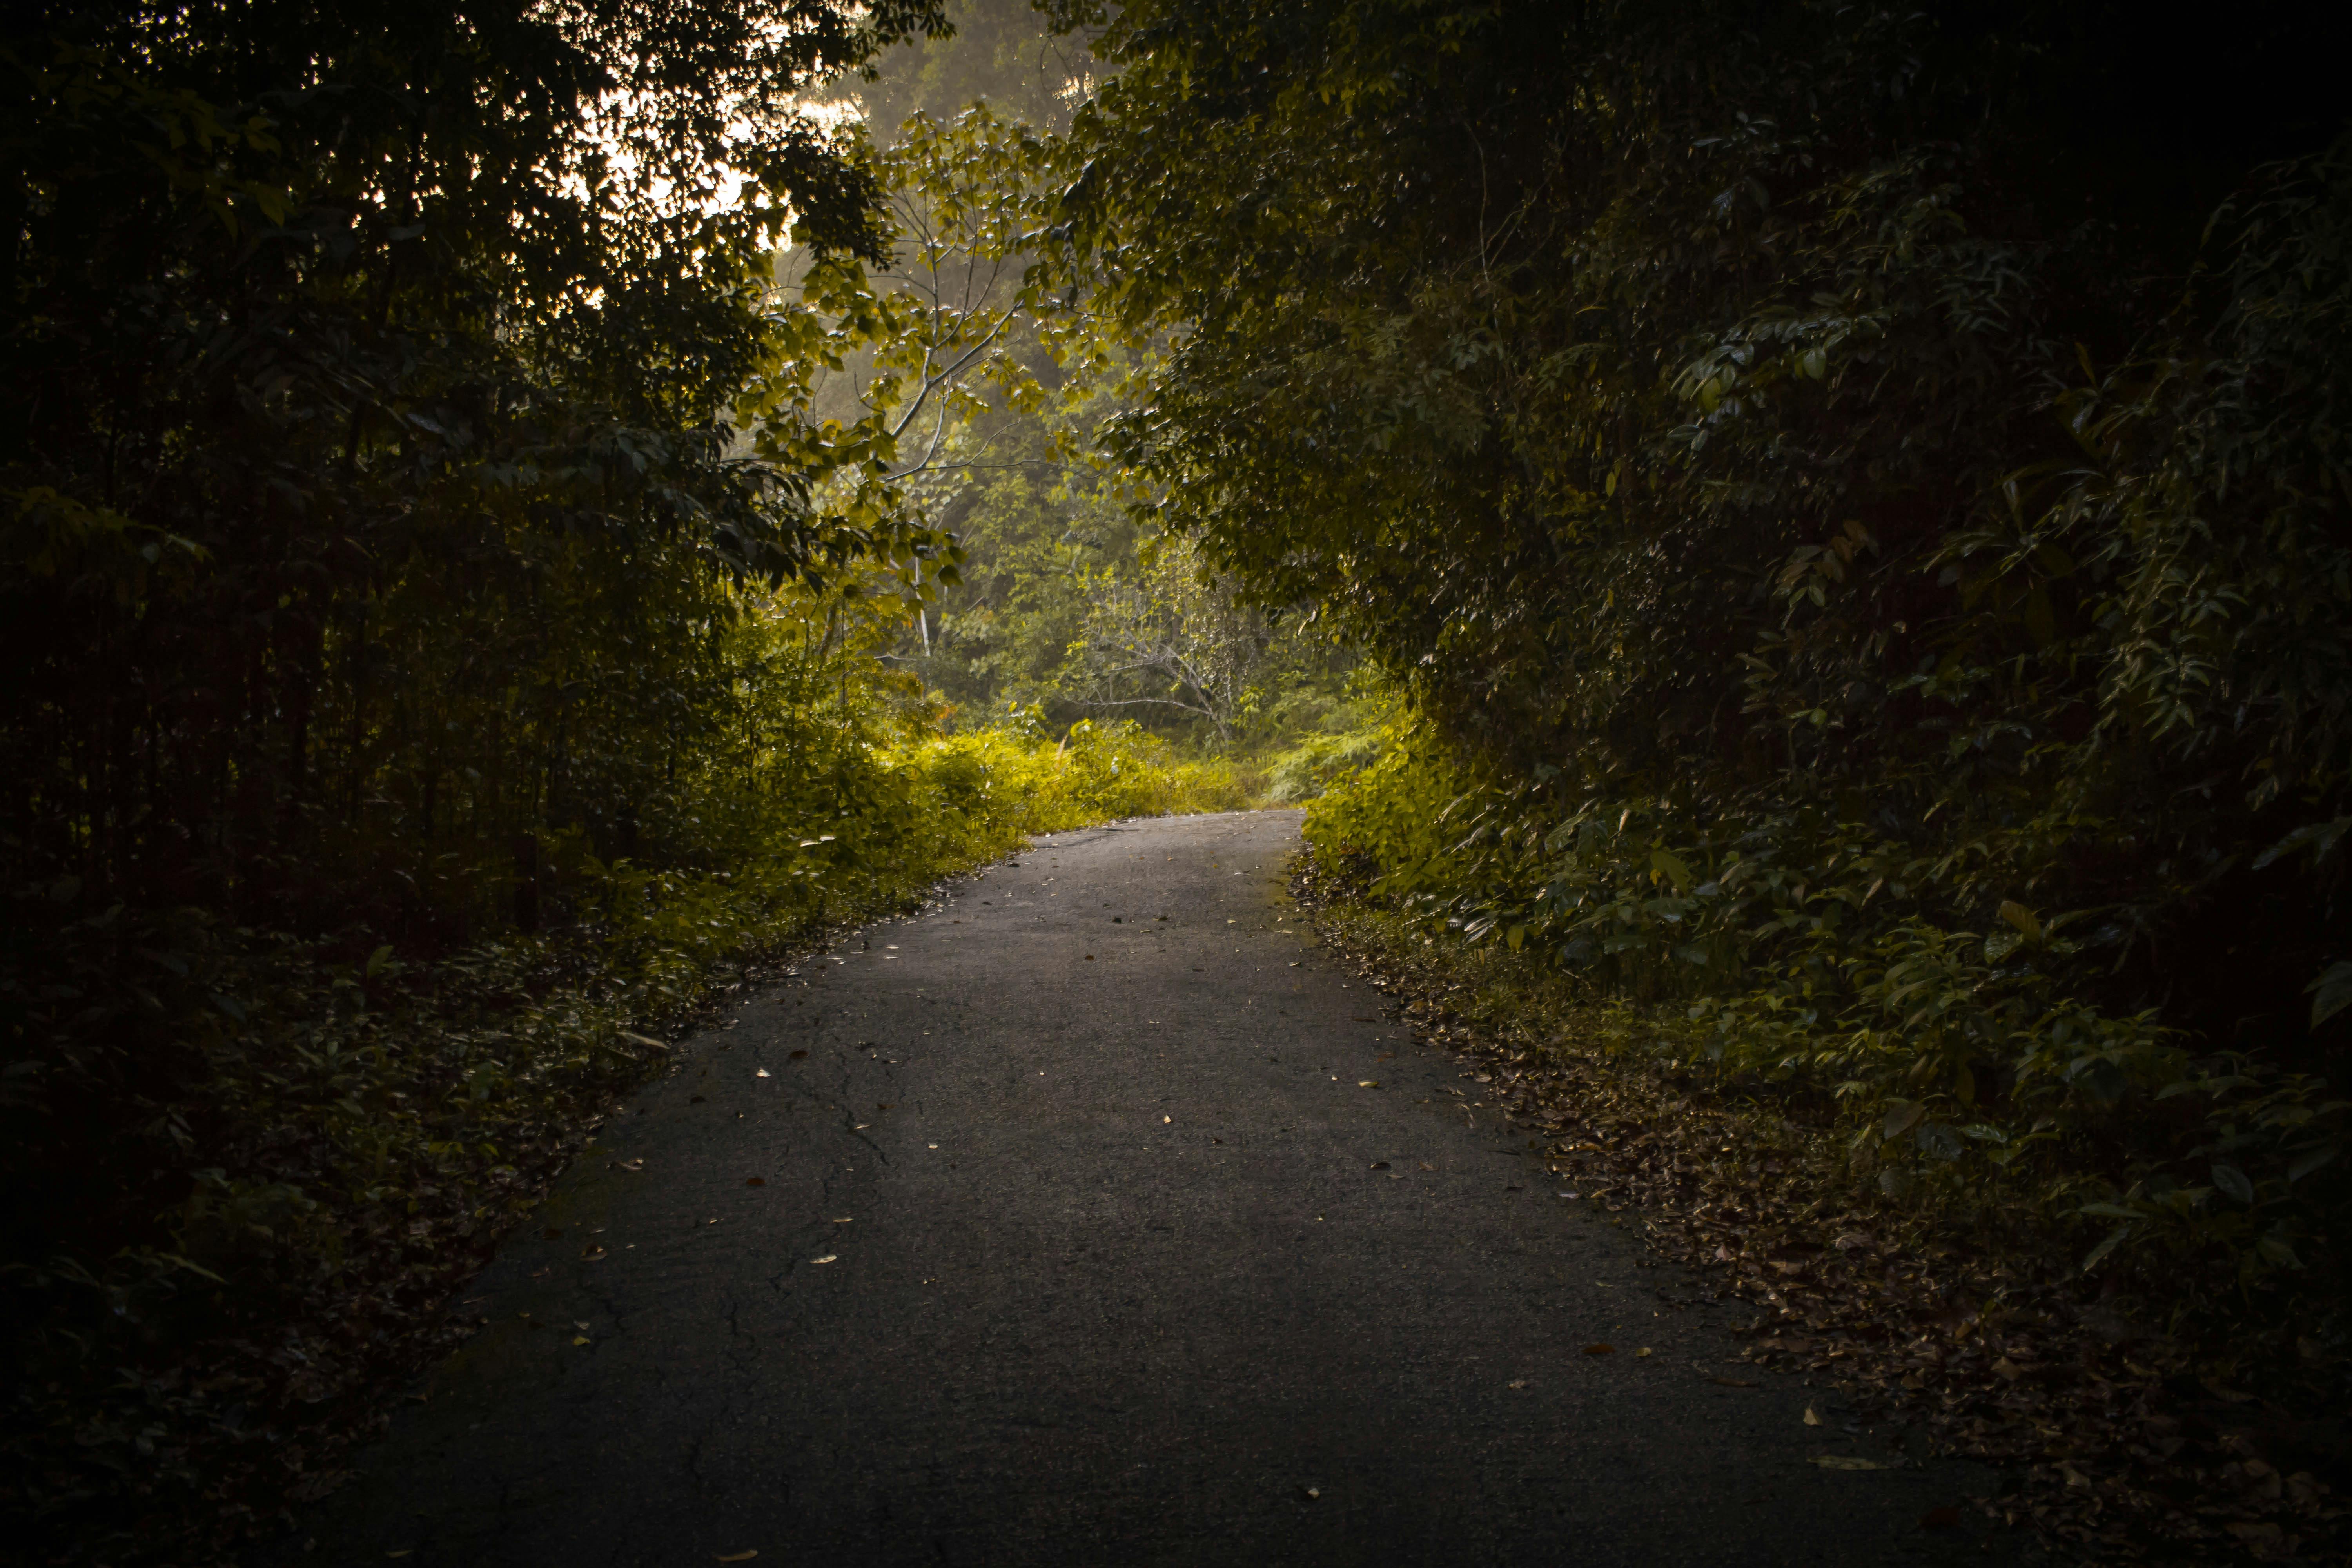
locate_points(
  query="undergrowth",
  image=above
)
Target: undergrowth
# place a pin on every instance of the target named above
(1971, 1074)
(247, 1166)
(2130, 1420)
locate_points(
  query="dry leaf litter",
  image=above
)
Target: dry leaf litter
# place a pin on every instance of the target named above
(2117, 1442)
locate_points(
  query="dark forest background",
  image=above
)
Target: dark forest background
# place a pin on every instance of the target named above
(1826, 529)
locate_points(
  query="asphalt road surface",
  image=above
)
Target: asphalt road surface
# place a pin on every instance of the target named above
(1094, 1216)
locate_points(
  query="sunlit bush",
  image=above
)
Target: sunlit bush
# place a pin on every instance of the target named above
(210, 1124)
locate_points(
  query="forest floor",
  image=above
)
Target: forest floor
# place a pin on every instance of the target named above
(1093, 1214)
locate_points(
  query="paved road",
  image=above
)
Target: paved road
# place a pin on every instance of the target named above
(1062, 1225)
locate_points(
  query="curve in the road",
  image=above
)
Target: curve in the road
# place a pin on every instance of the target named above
(1091, 1217)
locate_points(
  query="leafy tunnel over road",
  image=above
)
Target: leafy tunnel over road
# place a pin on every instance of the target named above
(1091, 1216)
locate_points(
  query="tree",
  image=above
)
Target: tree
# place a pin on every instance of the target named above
(323, 318)
(1172, 636)
(1002, 53)
(1837, 479)
(381, 546)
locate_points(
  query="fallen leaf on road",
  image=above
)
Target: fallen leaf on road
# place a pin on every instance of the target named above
(1601, 1350)
(796, 1056)
(630, 1164)
(762, 1072)
(580, 1339)
(755, 1181)
(1518, 1383)
(1167, 1119)
(697, 1099)
(1090, 958)
(736, 1556)
(1308, 1494)
(594, 1253)
(1380, 1165)
(1640, 1353)
(1813, 1416)
(1426, 1166)
(828, 1258)
(1944, 1518)
(1367, 1083)
(1839, 1462)
(1732, 1382)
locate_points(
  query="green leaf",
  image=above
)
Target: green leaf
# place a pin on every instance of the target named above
(2098, 1254)
(2319, 837)
(2308, 1162)
(2023, 919)
(2331, 993)
(2232, 1181)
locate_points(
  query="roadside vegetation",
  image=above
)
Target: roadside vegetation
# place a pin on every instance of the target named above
(1845, 600)
(446, 651)
(1811, 542)
(2132, 1420)
(311, 1142)
(1852, 507)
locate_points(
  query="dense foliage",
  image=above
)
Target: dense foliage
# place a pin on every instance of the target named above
(366, 478)
(1847, 507)
(1857, 502)
(443, 642)
(329, 1140)
(992, 391)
